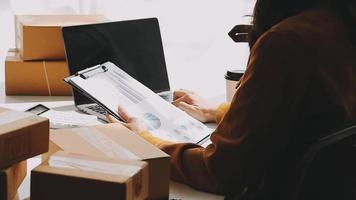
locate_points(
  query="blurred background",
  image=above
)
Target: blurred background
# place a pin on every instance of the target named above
(197, 48)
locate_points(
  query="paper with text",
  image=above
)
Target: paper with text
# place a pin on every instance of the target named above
(113, 87)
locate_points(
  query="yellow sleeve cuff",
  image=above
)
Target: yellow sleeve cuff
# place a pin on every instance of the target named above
(221, 111)
(158, 142)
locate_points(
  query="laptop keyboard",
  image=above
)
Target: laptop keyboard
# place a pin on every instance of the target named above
(98, 109)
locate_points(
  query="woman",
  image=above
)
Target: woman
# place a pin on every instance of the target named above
(300, 85)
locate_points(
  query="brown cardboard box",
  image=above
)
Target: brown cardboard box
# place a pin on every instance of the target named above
(11, 179)
(39, 37)
(35, 77)
(116, 141)
(22, 136)
(73, 176)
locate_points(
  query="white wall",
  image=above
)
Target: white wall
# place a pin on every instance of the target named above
(197, 48)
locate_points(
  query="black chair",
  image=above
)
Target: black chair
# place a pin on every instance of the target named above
(327, 171)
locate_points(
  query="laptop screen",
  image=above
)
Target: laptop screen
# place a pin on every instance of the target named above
(135, 46)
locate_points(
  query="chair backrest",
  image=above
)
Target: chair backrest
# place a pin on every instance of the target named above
(327, 171)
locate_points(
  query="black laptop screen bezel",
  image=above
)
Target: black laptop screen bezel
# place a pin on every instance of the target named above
(146, 51)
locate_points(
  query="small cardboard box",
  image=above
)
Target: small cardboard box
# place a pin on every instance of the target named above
(22, 136)
(115, 141)
(43, 78)
(39, 37)
(73, 176)
(11, 179)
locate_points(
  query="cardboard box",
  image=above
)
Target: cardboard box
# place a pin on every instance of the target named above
(73, 176)
(11, 179)
(43, 78)
(116, 141)
(39, 37)
(22, 136)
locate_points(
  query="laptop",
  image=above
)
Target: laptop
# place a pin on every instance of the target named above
(134, 45)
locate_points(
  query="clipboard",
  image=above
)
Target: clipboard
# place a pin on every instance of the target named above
(85, 74)
(109, 86)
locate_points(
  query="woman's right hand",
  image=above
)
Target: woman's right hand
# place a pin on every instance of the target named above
(195, 105)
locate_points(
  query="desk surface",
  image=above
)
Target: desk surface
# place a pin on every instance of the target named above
(177, 190)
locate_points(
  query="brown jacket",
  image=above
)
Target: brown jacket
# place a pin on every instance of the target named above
(294, 91)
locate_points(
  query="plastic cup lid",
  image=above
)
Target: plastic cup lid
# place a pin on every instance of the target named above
(234, 75)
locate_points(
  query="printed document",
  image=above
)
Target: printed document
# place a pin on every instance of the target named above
(111, 87)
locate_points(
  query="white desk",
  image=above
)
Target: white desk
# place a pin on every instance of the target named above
(177, 190)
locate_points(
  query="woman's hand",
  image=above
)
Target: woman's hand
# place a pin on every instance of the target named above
(195, 105)
(135, 124)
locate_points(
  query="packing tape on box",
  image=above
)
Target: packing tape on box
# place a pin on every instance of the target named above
(104, 144)
(12, 116)
(47, 80)
(93, 166)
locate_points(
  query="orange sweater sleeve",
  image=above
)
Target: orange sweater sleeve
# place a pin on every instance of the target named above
(253, 128)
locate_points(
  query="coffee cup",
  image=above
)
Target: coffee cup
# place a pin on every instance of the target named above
(232, 78)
